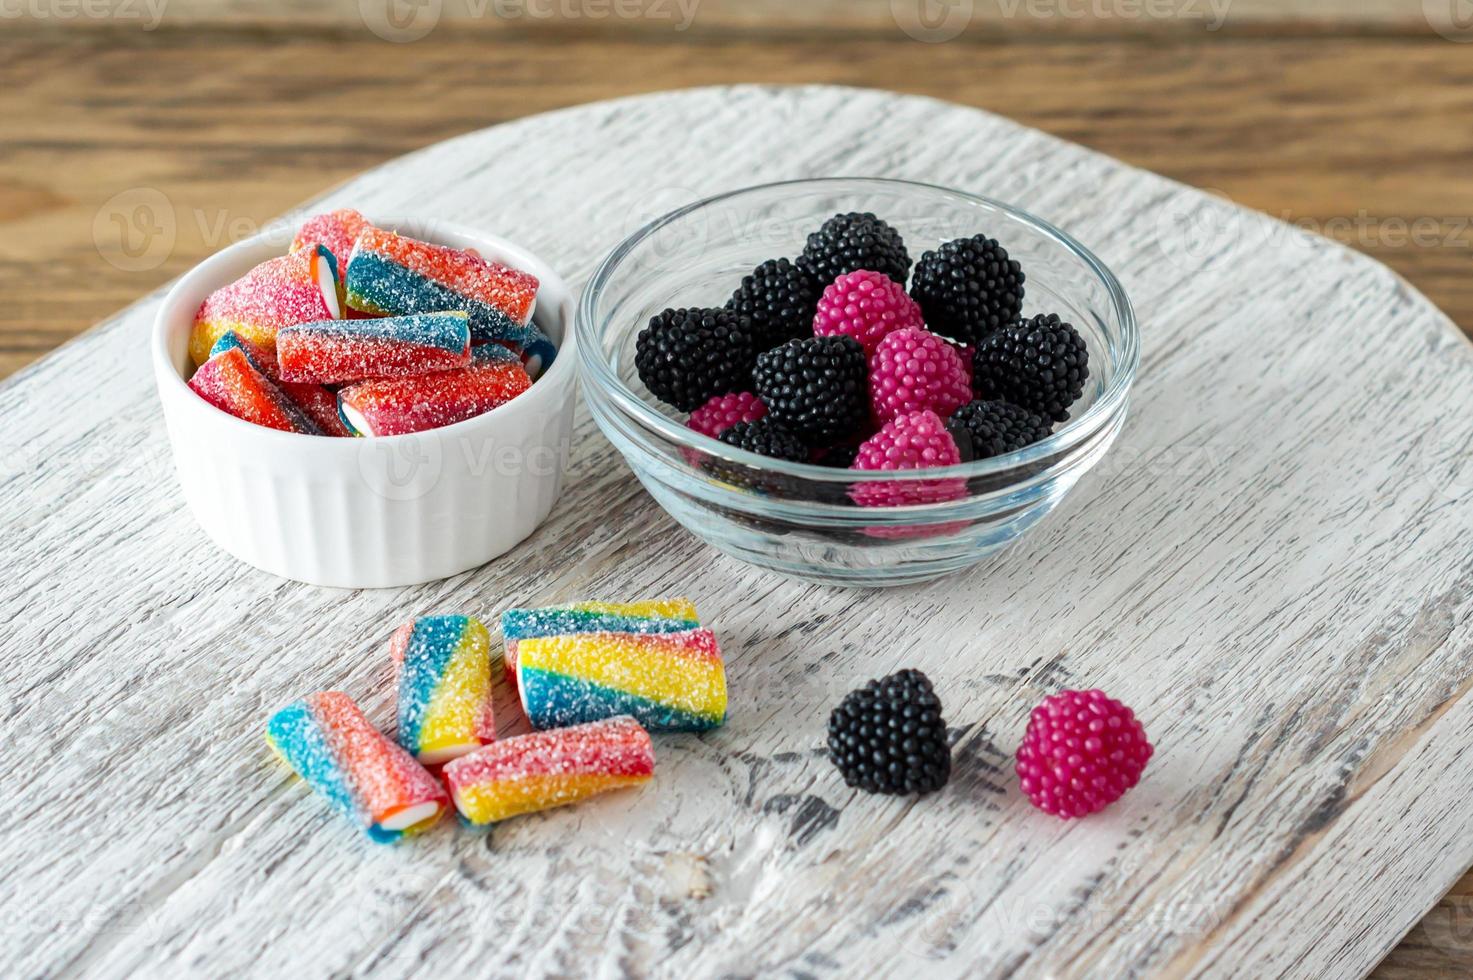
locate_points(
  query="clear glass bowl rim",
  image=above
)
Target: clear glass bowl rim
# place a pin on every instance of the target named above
(600, 372)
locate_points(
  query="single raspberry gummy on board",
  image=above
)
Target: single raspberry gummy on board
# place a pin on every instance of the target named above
(724, 411)
(968, 288)
(912, 370)
(889, 736)
(1040, 364)
(765, 438)
(816, 388)
(686, 356)
(779, 298)
(1082, 751)
(998, 427)
(865, 305)
(848, 242)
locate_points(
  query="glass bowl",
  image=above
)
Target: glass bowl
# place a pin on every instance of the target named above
(800, 519)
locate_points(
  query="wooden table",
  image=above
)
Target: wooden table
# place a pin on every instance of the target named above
(1288, 607)
(1342, 118)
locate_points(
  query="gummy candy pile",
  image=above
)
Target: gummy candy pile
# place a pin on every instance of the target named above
(359, 331)
(595, 679)
(848, 358)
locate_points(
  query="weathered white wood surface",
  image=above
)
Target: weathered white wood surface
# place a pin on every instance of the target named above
(1274, 567)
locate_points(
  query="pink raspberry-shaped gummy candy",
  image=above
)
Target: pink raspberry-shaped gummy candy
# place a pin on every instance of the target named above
(725, 411)
(915, 441)
(865, 305)
(1081, 752)
(911, 371)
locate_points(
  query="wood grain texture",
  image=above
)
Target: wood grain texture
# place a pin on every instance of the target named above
(1273, 566)
(1351, 138)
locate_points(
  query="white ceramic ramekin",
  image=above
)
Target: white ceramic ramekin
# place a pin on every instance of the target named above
(376, 512)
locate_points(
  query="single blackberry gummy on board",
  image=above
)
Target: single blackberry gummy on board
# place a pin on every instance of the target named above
(849, 242)
(998, 427)
(780, 300)
(889, 736)
(968, 288)
(1040, 364)
(687, 356)
(817, 388)
(765, 438)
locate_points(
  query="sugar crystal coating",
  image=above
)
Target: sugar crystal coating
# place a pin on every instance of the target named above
(376, 784)
(643, 616)
(332, 351)
(443, 673)
(318, 403)
(669, 682)
(392, 275)
(335, 230)
(547, 769)
(280, 292)
(394, 406)
(233, 384)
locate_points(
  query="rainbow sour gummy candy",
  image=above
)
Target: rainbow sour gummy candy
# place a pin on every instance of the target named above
(280, 292)
(394, 406)
(371, 780)
(644, 616)
(232, 383)
(391, 275)
(320, 405)
(669, 682)
(443, 668)
(548, 769)
(331, 351)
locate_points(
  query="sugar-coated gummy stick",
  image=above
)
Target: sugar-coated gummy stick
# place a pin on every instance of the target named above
(280, 292)
(669, 682)
(395, 406)
(335, 230)
(233, 384)
(333, 351)
(547, 769)
(392, 275)
(319, 404)
(642, 616)
(375, 783)
(442, 668)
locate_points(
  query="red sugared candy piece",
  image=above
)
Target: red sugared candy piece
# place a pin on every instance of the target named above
(395, 406)
(336, 230)
(1081, 752)
(724, 411)
(866, 306)
(912, 370)
(233, 384)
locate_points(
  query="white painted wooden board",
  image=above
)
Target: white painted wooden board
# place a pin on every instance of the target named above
(1274, 567)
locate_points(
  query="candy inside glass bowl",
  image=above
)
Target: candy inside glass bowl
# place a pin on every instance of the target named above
(801, 519)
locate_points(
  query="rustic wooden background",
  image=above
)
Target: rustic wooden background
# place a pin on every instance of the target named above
(137, 136)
